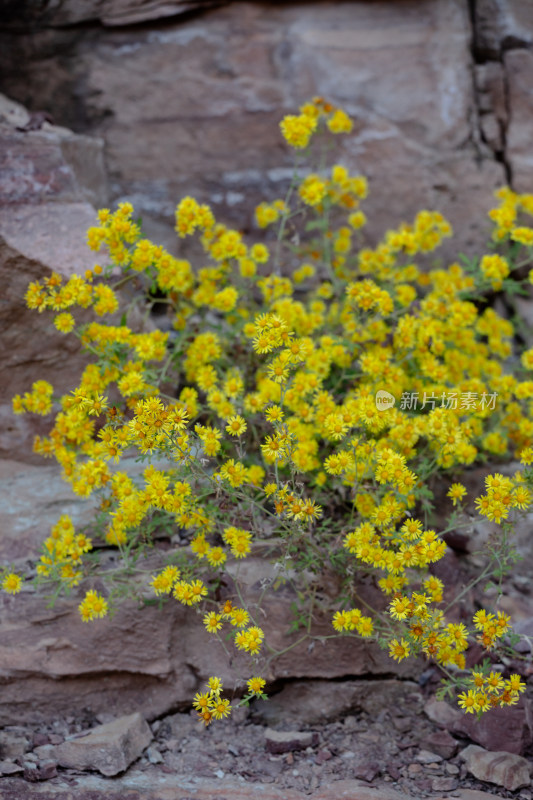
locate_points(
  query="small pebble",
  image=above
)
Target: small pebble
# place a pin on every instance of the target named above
(444, 784)
(425, 757)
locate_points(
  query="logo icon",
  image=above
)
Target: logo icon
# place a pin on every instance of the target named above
(384, 400)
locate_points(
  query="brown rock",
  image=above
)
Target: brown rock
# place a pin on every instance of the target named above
(490, 86)
(152, 657)
(367, 771)
(442, 713)
(9, 768)
(31, 347)
(117, 12)
(441, 743)
(13, 744)
(44, 752)
(444, 784)
(492, 132)
(500, 25)
(468, 794)
(287, 741)
(349, 789)
(506, 729)
(47, 769)
(503, 769)
(427, 757)
(30, 497)
(47, 180)
(47, 163)
(241, 67)
(31, 771)
(109, 748)
(519, 72)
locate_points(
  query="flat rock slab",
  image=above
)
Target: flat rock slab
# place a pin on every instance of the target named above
(504, 769)
(141, 786)
(287, 741)
(109, 748)
(173, 787)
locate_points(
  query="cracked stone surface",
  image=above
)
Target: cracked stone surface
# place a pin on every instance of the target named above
(403, 71)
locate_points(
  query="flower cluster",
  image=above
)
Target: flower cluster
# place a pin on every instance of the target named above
(490, 690)
(209, 704)
(93, 606)
(63, 552)
(258, 413)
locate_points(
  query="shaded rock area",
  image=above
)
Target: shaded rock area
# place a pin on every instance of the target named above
(120, 12)
(502, 41)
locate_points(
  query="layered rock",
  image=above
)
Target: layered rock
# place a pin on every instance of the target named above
(146, 658)
(211, 130)
(49, 178)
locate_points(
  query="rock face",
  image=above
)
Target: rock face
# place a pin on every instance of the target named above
(503, 35)
(185, 102)
(147, 658)
(402, 70)
(48, 178)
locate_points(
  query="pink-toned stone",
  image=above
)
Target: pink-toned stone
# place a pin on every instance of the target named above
(442, 743)
(287, 741)
(109, 748)
(502, 768)
(442, 713)
(31, 347)
(47, 163)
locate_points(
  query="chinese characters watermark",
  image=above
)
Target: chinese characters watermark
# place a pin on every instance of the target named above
(411, 401)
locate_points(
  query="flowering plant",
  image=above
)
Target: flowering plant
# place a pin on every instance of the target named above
(306, 392)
